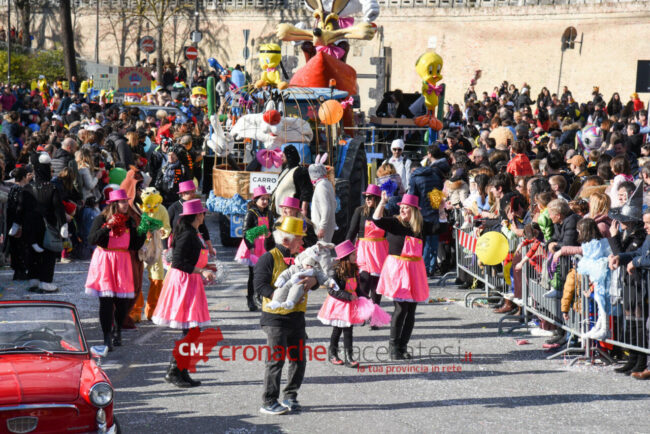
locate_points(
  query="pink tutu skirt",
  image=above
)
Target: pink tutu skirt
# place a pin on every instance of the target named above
(245, 257)
(371, 255)
(182, 303)
(110, 274)
(404, 280)
(341, 313)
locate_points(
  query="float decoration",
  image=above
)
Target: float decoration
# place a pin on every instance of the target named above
(589, 138)
(272, 129)
(270, 57)
(428, 67)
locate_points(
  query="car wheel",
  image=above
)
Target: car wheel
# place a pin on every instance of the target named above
(117, 425)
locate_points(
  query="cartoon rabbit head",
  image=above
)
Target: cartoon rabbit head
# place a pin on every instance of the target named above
(318, 169)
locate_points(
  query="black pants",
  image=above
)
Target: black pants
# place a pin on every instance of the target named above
(112, 308)
(251, 289)
(336, 335)
(401, 324)
(19, 252)
(284, 342)
(368, 286)
(41, 265)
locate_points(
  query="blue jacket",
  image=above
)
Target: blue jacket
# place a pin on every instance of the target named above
(425, 179)
(639, 257)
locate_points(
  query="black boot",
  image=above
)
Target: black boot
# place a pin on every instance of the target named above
(349, 360)
(403, 350)
(117, 337)
(640, 365)
(185, 375)
(251, 304)
(108, 342)
(174, 376)
(333, 356)
(631, 362)
(394, 352)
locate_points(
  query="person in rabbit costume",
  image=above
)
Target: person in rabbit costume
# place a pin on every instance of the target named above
(315, 261)
(323, 206)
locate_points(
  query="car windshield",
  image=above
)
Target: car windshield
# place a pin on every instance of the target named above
(38, 327)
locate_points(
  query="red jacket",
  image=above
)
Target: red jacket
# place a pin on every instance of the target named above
(520, 166)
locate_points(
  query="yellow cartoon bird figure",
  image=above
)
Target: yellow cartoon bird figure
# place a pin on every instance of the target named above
(428, 67)
(270, 58)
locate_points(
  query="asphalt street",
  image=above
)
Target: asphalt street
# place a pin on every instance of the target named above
(464, 376)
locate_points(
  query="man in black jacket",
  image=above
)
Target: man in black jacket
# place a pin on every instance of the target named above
(125, 156)
(64, 157)
(284, 328)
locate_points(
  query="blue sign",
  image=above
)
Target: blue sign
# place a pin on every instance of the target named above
(237, 226)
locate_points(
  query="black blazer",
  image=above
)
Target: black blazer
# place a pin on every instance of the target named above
(99, 236)
(186, 251)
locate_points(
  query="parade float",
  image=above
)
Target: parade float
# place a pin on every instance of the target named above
(255, 121)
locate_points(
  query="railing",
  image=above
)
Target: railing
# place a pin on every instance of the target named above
(207, 5)
(625, 318)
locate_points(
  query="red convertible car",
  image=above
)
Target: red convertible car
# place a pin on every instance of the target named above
(50, 381)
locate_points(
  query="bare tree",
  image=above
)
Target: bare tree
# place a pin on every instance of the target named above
(69, 57)
(158, 13)
(120, 20)
(24, 8)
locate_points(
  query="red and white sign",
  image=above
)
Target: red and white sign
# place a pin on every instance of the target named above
(468, 241)
(191, 53)
(148, 44)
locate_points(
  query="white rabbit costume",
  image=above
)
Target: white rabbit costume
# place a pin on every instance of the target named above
(323, 205)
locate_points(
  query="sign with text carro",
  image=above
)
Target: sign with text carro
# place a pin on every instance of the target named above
(265, 179)
(133, 79)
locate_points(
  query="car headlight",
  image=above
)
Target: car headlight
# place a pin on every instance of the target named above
(101, 394)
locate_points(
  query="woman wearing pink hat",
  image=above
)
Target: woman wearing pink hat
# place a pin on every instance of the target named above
(343, 308)
(403, 277)
(372, 247)
(252, 245)
(290, 207)
(110, 274)
(182, 303)
(187, 191)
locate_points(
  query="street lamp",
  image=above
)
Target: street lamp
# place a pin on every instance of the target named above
(568, 43)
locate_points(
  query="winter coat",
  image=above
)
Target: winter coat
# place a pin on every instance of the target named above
(572, 284)
(87, 183)
(61, 160)
(565, 232)
(425, 179)
(639, 257)
(323, 208)
(627, 241)
(123, 150)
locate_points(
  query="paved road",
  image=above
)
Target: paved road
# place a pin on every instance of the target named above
(505, 386)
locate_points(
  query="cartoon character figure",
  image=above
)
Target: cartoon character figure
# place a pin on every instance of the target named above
(589, 138)
(270, 58)
(428, 67)
(199, 97)
(329, 30)
(272, 129)
(219, 141)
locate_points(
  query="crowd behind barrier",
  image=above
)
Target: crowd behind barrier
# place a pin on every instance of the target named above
(625, 322)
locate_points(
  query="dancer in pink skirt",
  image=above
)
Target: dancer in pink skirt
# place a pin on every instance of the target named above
(372, 247)
(258, 214)
(182, 303)
(403, 277)
(343, 309)
(110, 276)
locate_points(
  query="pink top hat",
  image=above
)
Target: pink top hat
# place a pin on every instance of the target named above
(194, 206)
(344, 249)
(116, 195)
(373, 190)
(291, 202)
(410, 200)
(259, 191)
(186, 186)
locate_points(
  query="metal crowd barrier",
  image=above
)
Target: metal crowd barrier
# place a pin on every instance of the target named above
(627, 320)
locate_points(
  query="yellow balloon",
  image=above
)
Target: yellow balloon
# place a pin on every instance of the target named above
(492, 248)
(330, 112)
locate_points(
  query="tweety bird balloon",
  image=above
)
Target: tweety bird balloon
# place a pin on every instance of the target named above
(428, 67)
(270, 58)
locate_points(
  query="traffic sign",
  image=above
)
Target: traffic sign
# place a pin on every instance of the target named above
(247, 33)
(196, 36)
(247, 53)
(191, 53)
(148, 44)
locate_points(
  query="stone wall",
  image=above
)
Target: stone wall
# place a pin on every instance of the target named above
(518, 44)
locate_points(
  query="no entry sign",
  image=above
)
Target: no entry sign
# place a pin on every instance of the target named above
(191, 53)
(148, 44)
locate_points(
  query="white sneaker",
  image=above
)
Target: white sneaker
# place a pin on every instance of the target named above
(66, 260)
(551, 294)
(48, 287)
